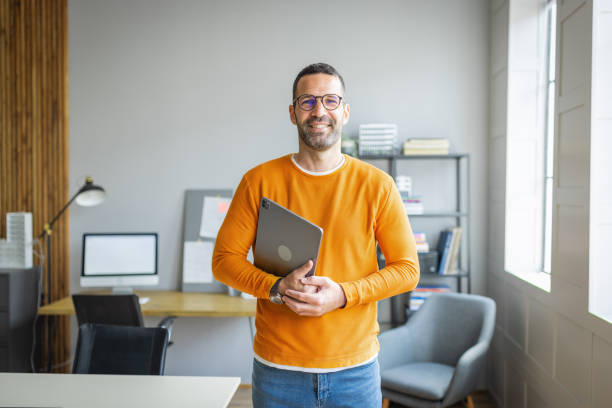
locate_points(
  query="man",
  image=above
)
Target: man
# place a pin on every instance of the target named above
(318, 347)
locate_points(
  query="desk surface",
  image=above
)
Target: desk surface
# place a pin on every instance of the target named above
(173, 303)
(89, 390)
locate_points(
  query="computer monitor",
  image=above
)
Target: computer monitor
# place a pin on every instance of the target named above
(119, 260)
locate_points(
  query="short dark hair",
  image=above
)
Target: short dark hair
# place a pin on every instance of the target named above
(318, 68)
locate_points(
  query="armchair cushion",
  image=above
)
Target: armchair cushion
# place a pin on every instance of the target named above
(423, 380)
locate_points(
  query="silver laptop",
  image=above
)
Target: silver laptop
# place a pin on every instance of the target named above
(284, 241)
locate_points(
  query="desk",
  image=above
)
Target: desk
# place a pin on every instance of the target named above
(173, 303)
(119, 391)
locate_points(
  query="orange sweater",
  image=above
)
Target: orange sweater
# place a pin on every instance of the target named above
(357, 206)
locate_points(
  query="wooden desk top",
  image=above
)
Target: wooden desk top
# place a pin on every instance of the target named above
(120, 391)
(173, 303)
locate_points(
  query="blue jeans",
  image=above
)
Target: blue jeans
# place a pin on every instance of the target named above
(353, 387)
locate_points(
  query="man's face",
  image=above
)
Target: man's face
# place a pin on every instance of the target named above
(319, 128)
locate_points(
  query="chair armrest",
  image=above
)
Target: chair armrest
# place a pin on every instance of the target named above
(395, 348)
(167, 323)
(466, 374)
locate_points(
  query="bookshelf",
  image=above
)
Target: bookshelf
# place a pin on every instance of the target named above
(459, 215)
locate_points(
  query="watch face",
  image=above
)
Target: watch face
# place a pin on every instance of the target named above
(276, 299)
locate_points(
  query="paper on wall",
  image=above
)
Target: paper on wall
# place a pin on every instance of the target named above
(213, 214)
(197, 262)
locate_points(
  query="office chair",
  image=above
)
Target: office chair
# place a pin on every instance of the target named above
(122, 310)
(110, 349)
(436, 358)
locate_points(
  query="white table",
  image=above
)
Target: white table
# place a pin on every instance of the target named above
(117, 391)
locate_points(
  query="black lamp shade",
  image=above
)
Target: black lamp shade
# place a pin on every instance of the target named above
(90, 194)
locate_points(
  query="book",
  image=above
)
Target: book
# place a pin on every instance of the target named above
(420, 240)
(452, 263)
(414, 152)
(444, 245)
(420, 236)
(426, 146)
(375, 151)
(378, 133)
(432, 288)
(378, 126)
(427, 143)
(422, 247)
(420, 294)
(413, 207)
(377, 142)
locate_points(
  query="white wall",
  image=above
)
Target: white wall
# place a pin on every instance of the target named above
(168, 96)
(548, 351)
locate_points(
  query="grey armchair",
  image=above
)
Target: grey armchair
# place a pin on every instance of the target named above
(436, 358)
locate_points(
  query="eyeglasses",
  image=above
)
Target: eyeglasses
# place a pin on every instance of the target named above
(308, 102)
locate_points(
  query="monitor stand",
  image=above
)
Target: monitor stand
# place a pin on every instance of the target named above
(122, 290)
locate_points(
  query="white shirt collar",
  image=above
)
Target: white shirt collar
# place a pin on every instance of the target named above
(318, 173)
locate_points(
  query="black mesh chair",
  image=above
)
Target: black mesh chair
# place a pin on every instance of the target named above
(110, 349)
(122, 310)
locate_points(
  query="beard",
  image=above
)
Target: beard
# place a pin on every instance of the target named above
(317, 139)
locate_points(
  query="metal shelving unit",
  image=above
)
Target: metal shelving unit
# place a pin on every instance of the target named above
(461, 213)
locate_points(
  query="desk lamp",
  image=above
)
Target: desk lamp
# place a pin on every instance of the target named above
(88, 196)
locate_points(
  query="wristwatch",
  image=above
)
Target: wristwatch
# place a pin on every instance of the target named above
(275, 296)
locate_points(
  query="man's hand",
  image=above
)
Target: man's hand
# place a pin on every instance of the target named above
(294, 280)
(328, 296)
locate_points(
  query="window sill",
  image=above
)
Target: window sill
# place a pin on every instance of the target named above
(538, 279)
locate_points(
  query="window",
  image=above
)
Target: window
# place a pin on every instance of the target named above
(551, 34)
(530, 141)
(600, 189)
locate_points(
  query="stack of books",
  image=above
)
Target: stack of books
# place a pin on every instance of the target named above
(448, 249)
(426, 146)
(420, 294)
(412, 204)
(377, 139)
(421, 242)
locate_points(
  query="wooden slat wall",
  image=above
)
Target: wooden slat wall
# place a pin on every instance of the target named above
(34, 132)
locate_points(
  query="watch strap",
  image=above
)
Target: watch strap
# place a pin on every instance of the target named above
(275, 295)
